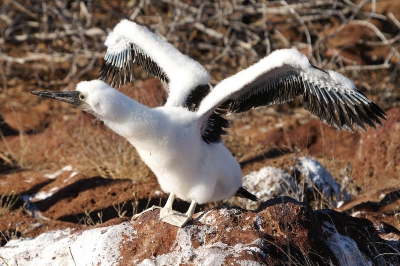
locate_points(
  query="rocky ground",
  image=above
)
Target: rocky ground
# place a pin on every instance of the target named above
(279, 232)
(61, 169)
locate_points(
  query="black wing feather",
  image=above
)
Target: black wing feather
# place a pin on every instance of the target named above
(216, 123)
(196, 96)
(341, 108)
(278, 88)
(117, 67)
(333, 103)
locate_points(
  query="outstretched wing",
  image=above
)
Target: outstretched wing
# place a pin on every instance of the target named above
(119, 60)
(281, 77)
(130, 44)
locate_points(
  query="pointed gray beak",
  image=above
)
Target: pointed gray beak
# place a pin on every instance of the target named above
(71, 97)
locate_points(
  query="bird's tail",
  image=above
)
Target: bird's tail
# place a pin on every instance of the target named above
(244, 193)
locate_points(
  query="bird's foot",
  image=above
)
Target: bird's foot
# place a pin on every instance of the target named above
(173, 217)
(134, 217)
(170, 216)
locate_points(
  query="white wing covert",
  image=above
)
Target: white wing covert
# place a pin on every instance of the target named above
(130, 44)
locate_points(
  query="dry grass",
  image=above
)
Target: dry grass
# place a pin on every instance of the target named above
(84, 143)
(62, 41)
(7, 201)
(110, 156)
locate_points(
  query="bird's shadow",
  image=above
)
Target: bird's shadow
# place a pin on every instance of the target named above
(123, 209)
(126, 208)
(6, 130)
(270, 154)
(70, 191)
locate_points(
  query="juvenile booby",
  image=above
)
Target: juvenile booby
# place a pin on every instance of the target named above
(181, 141)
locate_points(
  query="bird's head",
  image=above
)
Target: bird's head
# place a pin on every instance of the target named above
(94, 96)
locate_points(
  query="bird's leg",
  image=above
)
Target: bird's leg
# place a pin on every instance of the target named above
(170, 201)
(191, 209)
(167, 209)
(170, 216)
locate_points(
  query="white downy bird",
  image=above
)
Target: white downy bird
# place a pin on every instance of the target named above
(181, 141)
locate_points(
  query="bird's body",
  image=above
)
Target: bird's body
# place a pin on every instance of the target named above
(199, 172)
(181, 141)
(168, 139)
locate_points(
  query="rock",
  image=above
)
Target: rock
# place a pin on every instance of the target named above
(279, 232)
(306, 179)
(366, 165)
(376, 160)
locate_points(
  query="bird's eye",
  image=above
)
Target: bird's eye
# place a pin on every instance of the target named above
(82, 97)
